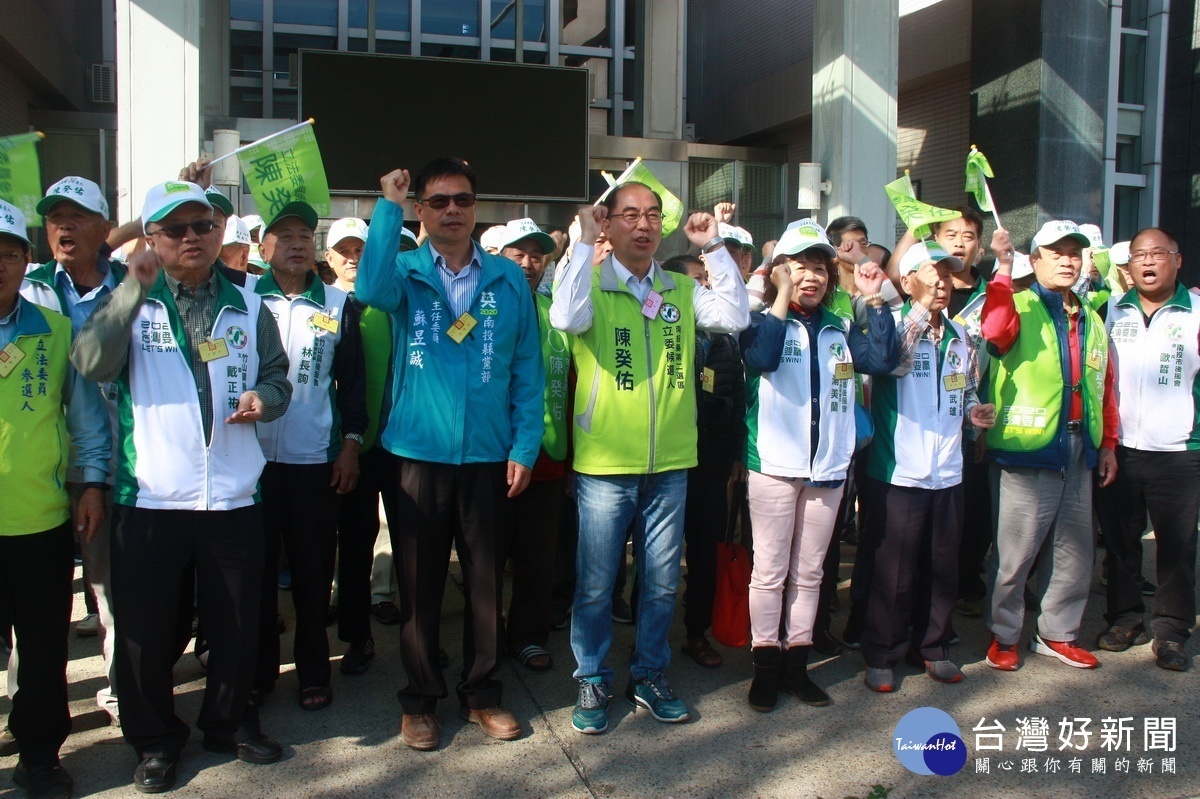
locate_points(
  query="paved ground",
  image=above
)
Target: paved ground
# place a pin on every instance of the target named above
(728, 750)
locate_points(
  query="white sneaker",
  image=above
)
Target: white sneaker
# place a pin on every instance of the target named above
(88, 626)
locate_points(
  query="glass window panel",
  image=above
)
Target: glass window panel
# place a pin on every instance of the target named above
(307, 12)
(1133, 69)
(1135, 14)
(451, 17)
(393, 46)
(504, 20)
(390, 15)
(288, 43)
(1129, 154)
(286, 104)
(245, 101)
(246, 9)
(449, 50)
(245, 54)
(357, 45)
(585, 23)
(1126, 212)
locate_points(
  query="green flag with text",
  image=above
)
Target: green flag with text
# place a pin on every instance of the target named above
(638, 172)
(286, 168)
(20, 177)
(917, 216)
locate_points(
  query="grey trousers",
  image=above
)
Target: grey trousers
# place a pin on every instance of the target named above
(1047, 512)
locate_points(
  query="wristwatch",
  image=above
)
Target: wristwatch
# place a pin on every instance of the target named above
(712, 244)
(355, 437)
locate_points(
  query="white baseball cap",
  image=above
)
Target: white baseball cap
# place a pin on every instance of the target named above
(924, 251)
(81, 191)
(1094, 236)
(408, 240)
(1022, 266)
(491, 238)
(236, 231)
(526, 228)
(1119, 253)
(802, 235)
(219, 200)
(253, 221)
(735, 235)
(12, 221)
(166, 197)
(349, 228)
(1057, 230)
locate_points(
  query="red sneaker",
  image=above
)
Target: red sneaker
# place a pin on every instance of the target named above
(1066, 651)
(1003, 656)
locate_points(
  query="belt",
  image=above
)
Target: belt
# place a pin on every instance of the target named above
(1074, 426)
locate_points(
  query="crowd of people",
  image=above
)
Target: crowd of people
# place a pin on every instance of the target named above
(211, 418)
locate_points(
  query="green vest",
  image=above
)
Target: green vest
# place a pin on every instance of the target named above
(376, 330)
(635, 395)
(556, 357)
(33, 426)
(1027, 381)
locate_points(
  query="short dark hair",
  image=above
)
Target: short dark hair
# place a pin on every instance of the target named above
(844, 224)
(680, 263)
(8, 238)
(1170, 238)
(443, 167)
(610, 202)
(771, 291)
(973, 217)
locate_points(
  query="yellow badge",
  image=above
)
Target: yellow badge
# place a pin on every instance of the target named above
(462, 327)
(325, 322)
(708, 380)
(213, 349)
(1093, 360)
(10, 356)
(955, 382)
(843, 371)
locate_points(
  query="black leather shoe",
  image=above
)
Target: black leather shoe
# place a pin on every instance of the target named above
(260, 749)
(1118, 639)
(1169, 655)
(154, 775)
(358, 657)
(44, 782)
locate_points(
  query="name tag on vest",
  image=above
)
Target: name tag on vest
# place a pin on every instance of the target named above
(10, 356)
(653, 302)
(843, 371)
(955, 382)
(213, 349)
(461, 328)
(1093, 360)
(708, 380)
(325, 322)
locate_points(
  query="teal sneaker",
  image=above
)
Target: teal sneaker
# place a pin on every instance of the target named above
(656, 695)
(591, 709)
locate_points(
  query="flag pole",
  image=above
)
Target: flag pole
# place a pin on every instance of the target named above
(245, 147)
(991, 202)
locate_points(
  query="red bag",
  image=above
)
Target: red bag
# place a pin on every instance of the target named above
(731, 605)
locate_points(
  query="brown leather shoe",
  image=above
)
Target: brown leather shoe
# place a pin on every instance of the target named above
(419, 731)
(496, 722)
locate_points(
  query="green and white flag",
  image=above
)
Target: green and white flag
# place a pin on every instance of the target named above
(20, 177)
(917, 216)
(978, 171)
(672, 210)
(286, 167)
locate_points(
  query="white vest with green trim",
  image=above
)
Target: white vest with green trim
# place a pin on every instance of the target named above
(309, 431)
(779, 407)
(163, 461)
(919, 417)
(1158, 373)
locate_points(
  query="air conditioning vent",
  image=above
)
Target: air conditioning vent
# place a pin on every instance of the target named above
(103, 81)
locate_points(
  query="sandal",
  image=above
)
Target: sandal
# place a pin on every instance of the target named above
(317, 697)
(699, 650)
(535, 658)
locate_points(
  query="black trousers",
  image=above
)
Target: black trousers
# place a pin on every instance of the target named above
(300, 511)
(154, 553)
(913, 534)
(358, 526)
(533, 546)
(35, 586)
(977, 532)
(1167, 486)
(466, 506)
(706, 514)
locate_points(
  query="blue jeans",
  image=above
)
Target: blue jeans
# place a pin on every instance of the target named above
(607, 505)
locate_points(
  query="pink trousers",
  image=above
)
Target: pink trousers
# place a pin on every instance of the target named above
(793, 524)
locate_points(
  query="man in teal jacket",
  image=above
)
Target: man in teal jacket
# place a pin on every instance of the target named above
(466, 423)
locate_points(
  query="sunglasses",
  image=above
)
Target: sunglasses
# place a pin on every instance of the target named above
(439, 201)
(201, 227)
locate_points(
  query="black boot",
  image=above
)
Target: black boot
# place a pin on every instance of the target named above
(796, 680)
(764, 690)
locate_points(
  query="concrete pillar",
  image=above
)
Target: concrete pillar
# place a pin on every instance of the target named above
(158, 91)
(1038, 109)
(663, 43)
(855, 70)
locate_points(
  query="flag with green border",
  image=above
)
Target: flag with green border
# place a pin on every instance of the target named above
(917, 216)
(286, 168)
(20, 176)
(672, 210)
